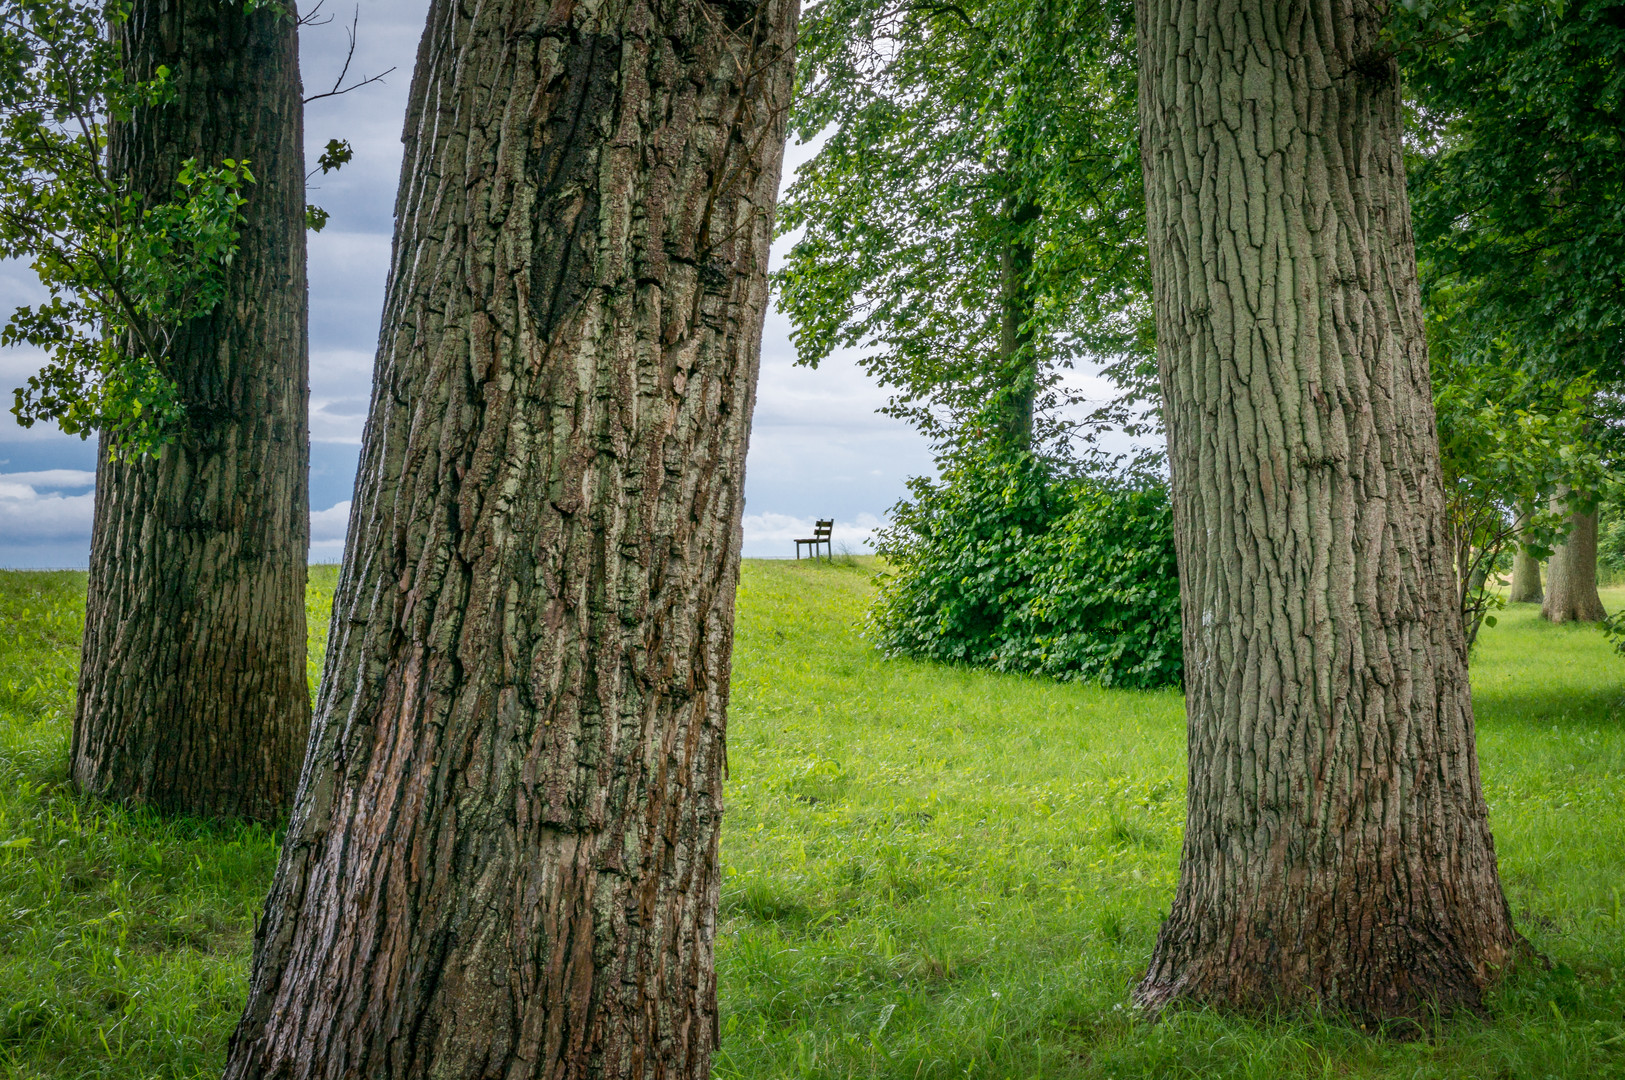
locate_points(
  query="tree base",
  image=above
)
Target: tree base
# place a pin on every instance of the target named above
(1413, 992)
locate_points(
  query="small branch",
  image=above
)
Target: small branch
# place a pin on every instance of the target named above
(339, 89)
(312, 17)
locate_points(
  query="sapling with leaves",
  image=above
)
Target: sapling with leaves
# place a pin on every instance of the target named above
(153, 174)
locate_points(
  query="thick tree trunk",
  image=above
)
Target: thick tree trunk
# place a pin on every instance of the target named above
(192, 687)
(1018, 360)
(1571, 574)
(1337, 851)
(1525, 570)
(503, 858)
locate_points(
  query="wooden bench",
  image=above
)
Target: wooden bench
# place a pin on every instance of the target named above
(821, 530)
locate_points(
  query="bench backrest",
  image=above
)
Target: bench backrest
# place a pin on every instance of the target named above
(822, 528)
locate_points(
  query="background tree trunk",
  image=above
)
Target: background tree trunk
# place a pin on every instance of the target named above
(502, 861)
(1018, 360)
(192, 687)
(1525, 570)
(1337, 850)
(1571, 573)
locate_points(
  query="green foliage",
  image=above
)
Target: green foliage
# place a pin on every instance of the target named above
(1014, 563)
(1516, 185)
(337, 154)
(125, 271)
(979, 168)
(323, 582)
(1611, 538)
(927, 872)
(1507, 443)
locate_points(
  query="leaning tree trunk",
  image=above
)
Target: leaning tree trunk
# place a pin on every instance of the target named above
(503, 857)
(1571, 574)
(1337, 850)
(192, 686)
(1525, 569)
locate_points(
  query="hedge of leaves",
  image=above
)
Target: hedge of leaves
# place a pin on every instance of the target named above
(1014, 563)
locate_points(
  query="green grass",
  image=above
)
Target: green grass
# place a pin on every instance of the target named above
(928, 872)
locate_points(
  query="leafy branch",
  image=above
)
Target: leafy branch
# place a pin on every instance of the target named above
(125, 272)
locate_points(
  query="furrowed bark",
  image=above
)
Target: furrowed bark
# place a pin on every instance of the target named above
(1526, 588)
(192, 688)
(1337, 851)
(1571, 574)
(503, 858)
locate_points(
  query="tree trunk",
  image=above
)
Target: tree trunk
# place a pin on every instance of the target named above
(1018, 360)
(503, 857)
(192, 687)
(1337, 850)
(1525, 570)
(1571, 574)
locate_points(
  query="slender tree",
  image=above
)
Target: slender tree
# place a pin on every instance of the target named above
(1337, 849)
(192, 687)
(503, 856)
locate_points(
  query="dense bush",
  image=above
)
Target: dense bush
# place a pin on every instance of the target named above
(1015, 563)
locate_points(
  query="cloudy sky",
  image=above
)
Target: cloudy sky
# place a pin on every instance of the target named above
(818, 448)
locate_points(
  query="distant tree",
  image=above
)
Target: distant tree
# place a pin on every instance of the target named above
(1508, 444)
(1520, 201)
(503, 858)
(153, 173)
(1337, 850)
(972, 220)
(1525, 587)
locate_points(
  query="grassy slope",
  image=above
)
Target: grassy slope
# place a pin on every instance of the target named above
(929, 872)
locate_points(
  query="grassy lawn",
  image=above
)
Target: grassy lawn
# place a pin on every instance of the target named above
(929, 872)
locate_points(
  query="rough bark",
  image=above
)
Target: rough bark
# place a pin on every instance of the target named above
(503, 857)
(1525, 570)
(1337, 851)
(192, 686)
(1018, 360)
(1571, 573)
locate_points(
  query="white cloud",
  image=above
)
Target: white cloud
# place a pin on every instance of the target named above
(52, 478)
(28, 515)
(327, 530)
(330, 524)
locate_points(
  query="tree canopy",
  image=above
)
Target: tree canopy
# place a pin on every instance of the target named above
(973, 220)
(1517, 190)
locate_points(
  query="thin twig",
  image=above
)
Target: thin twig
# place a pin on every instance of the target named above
(339, 88)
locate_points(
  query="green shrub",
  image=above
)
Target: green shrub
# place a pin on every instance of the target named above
(1611, 539)
(1015, 563)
